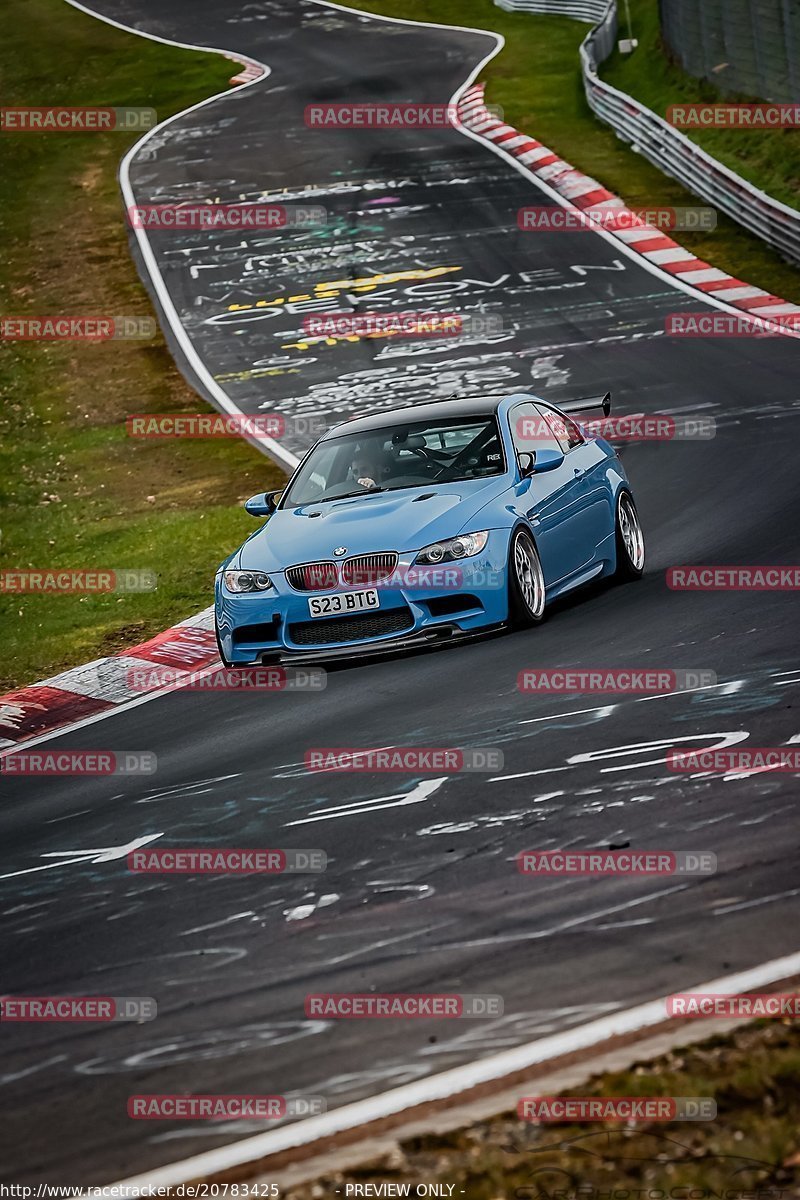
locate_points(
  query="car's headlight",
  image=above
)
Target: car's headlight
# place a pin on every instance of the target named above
(463, 546)
(247, 581)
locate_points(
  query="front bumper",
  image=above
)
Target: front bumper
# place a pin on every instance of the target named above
(417, 605)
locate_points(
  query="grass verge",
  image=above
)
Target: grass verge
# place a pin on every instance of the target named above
(537, 81)
(75, 490)
(751, 1151)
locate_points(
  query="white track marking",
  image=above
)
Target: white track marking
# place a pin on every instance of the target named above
(719, 912)
(561, 926)
(449, 1084)
(728, 738)
(596, 756)
(706, 687)
(288, 771)
(527, 774)
(606, 709)
(70, 858)
(356, 807)
(43, 1065)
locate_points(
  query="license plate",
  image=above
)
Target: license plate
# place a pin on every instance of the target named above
(343, 602)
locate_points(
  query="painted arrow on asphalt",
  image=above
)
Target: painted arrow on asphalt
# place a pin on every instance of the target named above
(68, 858)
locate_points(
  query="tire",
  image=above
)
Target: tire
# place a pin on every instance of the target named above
(629, 539)
(526, 587)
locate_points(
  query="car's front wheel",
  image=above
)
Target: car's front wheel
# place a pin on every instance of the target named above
(526, 589)
(630, 539)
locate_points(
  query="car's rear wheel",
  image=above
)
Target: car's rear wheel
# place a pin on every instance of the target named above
(526, 588)
(630, 539)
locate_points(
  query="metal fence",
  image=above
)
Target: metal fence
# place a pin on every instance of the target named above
(663, 145)
(742, 46)
(581, 10)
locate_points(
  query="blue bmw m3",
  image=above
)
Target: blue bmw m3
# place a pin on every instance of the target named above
(426, 522)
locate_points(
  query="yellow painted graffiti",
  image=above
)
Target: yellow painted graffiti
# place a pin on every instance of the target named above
(243, 376)
(334, 339)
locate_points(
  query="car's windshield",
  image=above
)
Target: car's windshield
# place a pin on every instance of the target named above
(408, 454)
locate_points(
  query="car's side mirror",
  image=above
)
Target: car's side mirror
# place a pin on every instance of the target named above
(262, 505)
(525, 461)
(547, 460)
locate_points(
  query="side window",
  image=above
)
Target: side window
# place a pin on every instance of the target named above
(564, 428)
(530, 431)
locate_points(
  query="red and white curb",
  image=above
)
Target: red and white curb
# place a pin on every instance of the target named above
(101, 686)
(252, 70)
(584, 192)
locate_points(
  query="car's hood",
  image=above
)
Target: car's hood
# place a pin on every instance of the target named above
(405, 520)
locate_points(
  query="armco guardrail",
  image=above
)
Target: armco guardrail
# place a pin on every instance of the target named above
(666, 147)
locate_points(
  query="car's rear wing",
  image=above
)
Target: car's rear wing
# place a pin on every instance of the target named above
(586, 403)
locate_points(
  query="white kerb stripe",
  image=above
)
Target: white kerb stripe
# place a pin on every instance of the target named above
(669, 255)
(638, 234)
(532, 156)
(706, 275)
(739, 293)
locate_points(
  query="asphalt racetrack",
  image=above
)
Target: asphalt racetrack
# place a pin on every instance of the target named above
(421, 891)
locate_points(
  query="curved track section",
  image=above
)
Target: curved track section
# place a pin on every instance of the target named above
(421, 892)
